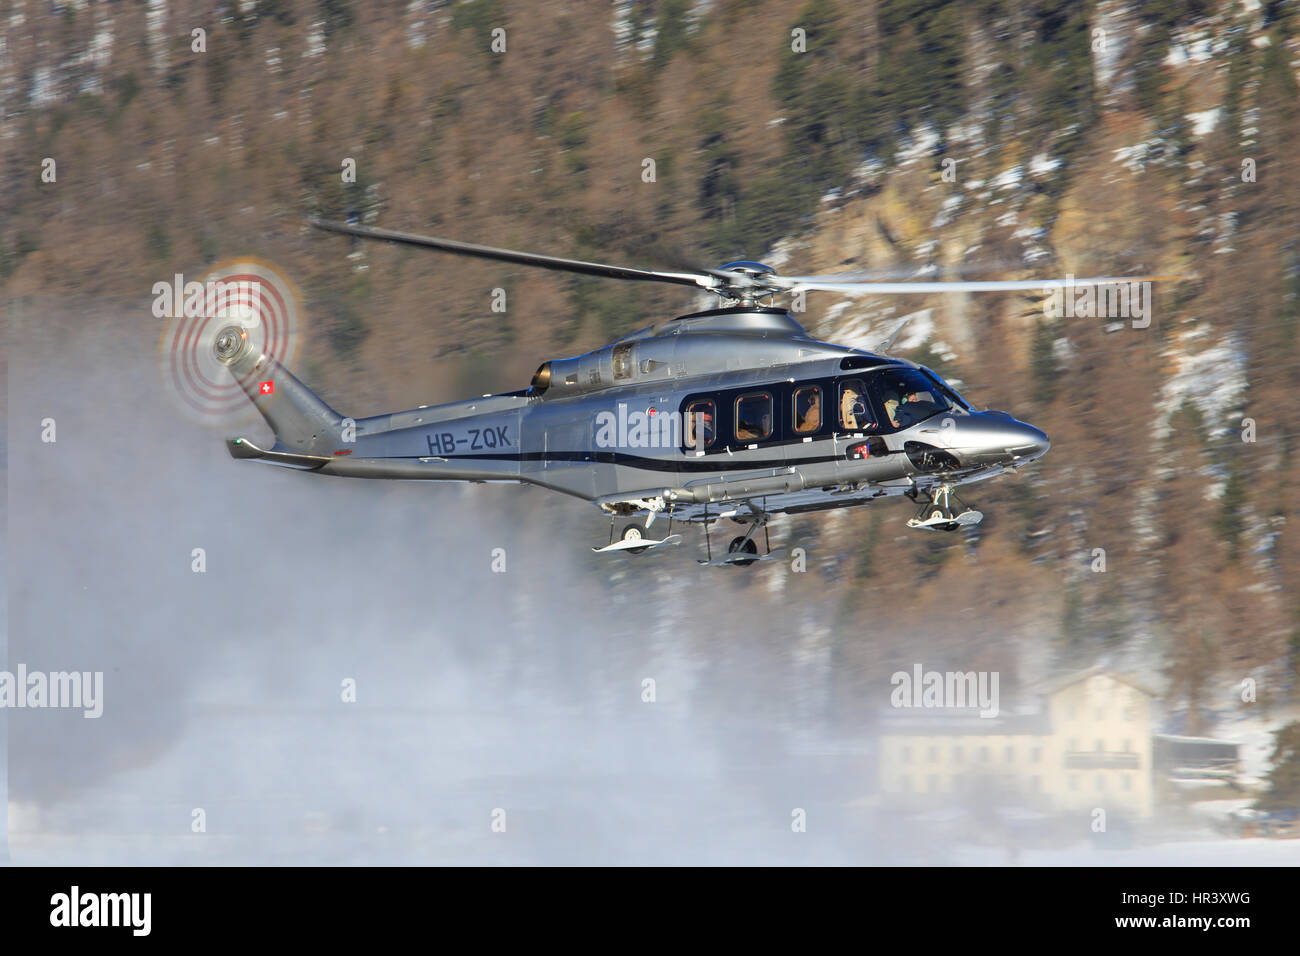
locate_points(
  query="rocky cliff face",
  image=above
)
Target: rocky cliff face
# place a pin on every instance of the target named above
(1021, 140)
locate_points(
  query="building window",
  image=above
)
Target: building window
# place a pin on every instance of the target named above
(807, 409)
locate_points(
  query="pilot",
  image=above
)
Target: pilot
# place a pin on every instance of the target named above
(811, 418)
(908, 410)
(891, 407)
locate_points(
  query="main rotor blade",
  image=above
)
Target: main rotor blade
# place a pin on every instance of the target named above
(698, 280)
(909, 272)
(821, 284)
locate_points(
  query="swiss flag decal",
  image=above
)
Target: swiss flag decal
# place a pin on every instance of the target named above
(266, 388)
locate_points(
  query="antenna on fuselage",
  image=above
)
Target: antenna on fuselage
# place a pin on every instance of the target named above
(886, 346)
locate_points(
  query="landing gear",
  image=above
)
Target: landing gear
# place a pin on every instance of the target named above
(632, 533)
(742, 545)
(743, 550)
(938, 513)
(633, 540)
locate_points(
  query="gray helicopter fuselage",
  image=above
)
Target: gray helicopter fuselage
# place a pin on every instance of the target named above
(611, 426)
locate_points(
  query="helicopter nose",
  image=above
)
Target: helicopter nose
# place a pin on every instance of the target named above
(994, 437)
(1030, 443)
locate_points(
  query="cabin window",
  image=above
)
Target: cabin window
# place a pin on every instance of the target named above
(700, 431)
(753, 417)
(807, 409)
(855, 414)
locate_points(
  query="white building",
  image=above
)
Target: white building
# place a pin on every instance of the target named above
(1087, 743)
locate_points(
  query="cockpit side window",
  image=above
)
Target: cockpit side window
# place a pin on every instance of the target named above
(907, 396)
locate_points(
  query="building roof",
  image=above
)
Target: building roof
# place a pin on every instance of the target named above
(1052, 686)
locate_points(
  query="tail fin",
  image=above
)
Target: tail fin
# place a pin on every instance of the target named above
(301, 421)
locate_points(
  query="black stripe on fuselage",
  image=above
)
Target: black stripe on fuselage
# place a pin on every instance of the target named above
(706, 463)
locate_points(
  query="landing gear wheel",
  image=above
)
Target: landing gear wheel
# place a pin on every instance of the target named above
(939, 515)
(633, 533)
(739, 545)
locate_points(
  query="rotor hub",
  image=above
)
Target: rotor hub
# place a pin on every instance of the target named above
(230, 343)
(746, 281)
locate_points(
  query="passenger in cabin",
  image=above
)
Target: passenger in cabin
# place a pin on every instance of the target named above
(809, 410)
(700, 427)
(754, 429)
(853, 408)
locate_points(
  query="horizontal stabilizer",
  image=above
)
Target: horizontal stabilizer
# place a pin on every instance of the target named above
(243, 448)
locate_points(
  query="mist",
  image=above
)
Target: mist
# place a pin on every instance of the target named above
(475, 692)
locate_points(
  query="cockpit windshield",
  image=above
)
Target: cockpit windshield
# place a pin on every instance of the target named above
(906, 396)
(947, 390)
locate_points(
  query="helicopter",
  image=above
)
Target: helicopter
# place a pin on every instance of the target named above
(734, 412)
